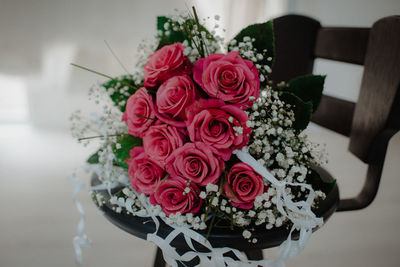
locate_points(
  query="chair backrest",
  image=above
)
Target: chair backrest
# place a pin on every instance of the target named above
(375, 118)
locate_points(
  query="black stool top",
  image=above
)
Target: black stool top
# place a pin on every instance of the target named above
(219, 237)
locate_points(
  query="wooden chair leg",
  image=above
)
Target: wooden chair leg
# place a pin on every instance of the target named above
(160, 262)
(251, 255)
(159, 259)
(254, 254)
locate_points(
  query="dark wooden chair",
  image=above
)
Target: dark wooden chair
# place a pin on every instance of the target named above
(375, 118)
(369, 123)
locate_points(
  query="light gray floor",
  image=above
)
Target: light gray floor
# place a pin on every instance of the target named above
(38, 219)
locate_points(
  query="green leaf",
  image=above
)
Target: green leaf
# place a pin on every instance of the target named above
(317, 183)
(302, 110)
(172, 37)
(122, 88)
(178, 35)
(308, 88)
(94, 159)
(161, 20)
(263, 33)
(127, 142)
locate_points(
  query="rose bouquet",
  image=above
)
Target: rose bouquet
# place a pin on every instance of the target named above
(200, 138)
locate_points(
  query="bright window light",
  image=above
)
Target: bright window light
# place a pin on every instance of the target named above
(13, 100)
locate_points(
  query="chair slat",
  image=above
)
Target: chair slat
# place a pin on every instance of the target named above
(379, 86)
(376, 117)
(294, 46)
(335, 114)
(342, 44)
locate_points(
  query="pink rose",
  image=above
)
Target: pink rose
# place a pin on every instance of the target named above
(144, 173)
(228, 77)
(212, 122)
(173, 97)
(175, 195)
(243, 186)
(195, 162)
(139, 113)
(160, 141)
(166, 62)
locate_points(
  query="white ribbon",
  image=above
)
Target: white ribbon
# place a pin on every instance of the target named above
(81, 240)
(298, 212)
(106, 185)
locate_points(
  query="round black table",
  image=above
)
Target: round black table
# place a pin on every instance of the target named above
(219, 237)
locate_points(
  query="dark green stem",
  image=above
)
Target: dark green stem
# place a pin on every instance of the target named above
(231, 224)
(102, 74)
(140, 116)
(211, 224)
(117, 58)
(198, 28)
(97, 136)
(93, 71)
(209, 207)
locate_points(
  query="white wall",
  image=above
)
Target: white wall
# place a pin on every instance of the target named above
(343, 79)
(40, 38)
(356, 13)
(237, 14)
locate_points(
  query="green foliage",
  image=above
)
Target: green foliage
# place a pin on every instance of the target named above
(308, 88)
(94, 159)
(317, 183)
(304, 94)
(127, 142)
(172, 37)
(263, 33)
(122, 87)
(179, 34)
(302, 110)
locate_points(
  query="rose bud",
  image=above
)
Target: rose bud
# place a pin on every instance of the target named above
(221, 126)
(160, 141)
(243, 185)
(176, 195)
(173, 97)
(165, 63)
(144, 173)
(139, 113)
(228, 77)
(195, 162)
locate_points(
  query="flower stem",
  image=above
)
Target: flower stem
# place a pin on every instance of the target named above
(93, 71)
(140, 116)
(231, 223)
(116, 57)
(209, 207)
(97, 136)
(196, 18)
(211, 224)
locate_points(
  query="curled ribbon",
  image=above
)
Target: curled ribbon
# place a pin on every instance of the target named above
(81, 240)
(302, 208)
(298, 212)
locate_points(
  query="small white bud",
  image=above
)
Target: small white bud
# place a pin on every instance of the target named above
(246, 234)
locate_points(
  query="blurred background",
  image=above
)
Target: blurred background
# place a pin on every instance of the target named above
(39, 89)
